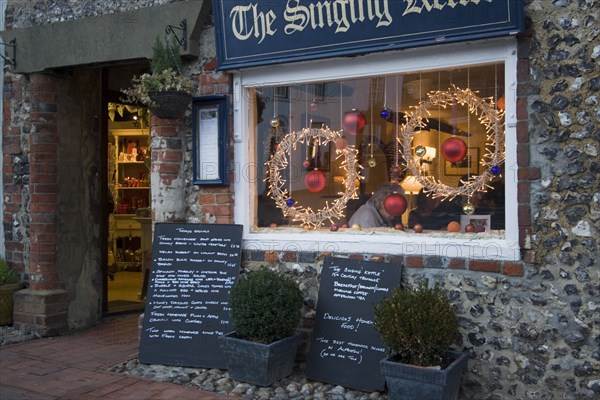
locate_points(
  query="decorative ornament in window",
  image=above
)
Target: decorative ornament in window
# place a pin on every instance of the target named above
(354, 122)
(490, 116)
(315, 179)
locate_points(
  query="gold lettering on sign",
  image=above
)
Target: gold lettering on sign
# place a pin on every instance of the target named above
(419, 6)
(340, 14)
(248, 20)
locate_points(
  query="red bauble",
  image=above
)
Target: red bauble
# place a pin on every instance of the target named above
(399, 227)
(418, 228)
(479, 228)
(454, 149)
(397, 172)
(306, 163)
(315, 181)
(395, 204)
(354, 122)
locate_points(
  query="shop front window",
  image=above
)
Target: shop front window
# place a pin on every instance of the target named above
(436, 133)
(304, 133)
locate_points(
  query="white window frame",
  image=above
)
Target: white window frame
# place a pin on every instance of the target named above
(387, 63)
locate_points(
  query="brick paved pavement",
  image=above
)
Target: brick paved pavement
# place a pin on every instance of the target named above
(76, 367)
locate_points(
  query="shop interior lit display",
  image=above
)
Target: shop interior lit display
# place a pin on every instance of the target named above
(437, 135)
(130, 222)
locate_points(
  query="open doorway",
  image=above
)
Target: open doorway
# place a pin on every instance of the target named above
(129, 225)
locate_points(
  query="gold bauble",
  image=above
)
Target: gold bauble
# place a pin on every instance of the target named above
(372, 162)
(469, 208)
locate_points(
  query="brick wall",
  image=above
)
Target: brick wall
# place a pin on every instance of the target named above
(31, 185)
(508, 268)
(211, 204)
(30, 178)
(43, 184)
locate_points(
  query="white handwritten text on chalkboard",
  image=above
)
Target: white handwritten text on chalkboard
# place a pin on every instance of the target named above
(193, 270)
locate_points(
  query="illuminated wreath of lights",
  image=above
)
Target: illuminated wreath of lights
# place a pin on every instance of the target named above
(280, 194)
(489, 116)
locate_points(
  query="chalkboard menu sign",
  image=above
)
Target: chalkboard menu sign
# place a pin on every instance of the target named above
(187, 308)
(345, 349)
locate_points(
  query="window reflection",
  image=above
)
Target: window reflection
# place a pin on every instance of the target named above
(383, 103)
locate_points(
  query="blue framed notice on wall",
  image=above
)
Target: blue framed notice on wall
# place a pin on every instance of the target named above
(261, 32)
(210, 140)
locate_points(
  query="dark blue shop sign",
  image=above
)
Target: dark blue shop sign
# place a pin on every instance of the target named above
(261, 32)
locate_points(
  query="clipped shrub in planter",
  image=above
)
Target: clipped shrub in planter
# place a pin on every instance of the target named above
(9, 284)
(418, 326)
(266, 308)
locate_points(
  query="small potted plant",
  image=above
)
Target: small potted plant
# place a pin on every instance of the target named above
(9, 284)
(418, 326)
(266, 307)
(165, 90)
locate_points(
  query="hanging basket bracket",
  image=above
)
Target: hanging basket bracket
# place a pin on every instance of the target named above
(170, 30)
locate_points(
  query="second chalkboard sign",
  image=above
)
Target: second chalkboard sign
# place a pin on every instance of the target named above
(345, 349)
(187, 308)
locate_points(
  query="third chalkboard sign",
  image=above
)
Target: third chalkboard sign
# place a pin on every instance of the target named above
(345, 349)
(187, 309)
